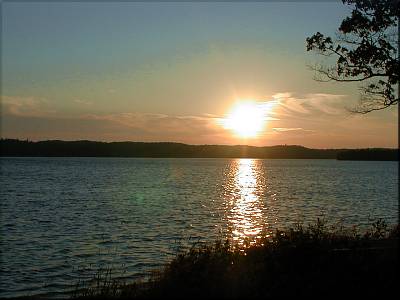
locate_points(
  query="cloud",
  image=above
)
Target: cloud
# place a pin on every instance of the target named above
(310, 104)
(31, 117)
(24, 123)
(83, 102)
(282, 129)
(312, 120)
(154, 124)
(26, 106)
(330, 104)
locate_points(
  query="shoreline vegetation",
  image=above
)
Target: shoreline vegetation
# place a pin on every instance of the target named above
(57, 148)
(303, 261)
(313, 261)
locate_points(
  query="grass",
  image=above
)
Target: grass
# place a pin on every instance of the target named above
(304, 261)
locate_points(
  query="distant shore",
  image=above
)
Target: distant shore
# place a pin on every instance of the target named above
(57, 148)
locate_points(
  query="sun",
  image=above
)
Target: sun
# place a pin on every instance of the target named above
(246, 120)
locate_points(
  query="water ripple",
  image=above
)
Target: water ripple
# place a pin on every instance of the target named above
(65, 218)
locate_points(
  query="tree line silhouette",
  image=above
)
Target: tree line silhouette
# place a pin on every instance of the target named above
(58, 148)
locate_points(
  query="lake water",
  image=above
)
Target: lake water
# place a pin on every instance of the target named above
(63, 218)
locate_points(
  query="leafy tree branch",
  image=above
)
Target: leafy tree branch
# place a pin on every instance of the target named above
(366, 50)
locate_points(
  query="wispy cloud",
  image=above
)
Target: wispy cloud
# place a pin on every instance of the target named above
(282, 129)
(83, 102)
(159, 123)
(26, 106)
(30, 118)
(312, 120)
(310, 104)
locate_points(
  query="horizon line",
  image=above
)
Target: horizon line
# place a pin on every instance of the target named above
(174, 142)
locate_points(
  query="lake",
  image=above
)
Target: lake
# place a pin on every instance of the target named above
(63, 218)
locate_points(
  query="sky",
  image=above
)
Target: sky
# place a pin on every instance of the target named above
(133, 71)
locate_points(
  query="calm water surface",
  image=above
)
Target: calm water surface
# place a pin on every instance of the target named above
(63, 218)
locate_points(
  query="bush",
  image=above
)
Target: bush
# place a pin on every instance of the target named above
(302, 261)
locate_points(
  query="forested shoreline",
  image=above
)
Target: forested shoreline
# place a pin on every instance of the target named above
(58, 148)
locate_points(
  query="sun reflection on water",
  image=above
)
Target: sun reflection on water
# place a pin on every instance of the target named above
(245, 192)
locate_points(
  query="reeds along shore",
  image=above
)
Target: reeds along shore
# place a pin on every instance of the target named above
(314, 261)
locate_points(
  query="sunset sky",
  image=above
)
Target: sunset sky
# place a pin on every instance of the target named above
(177, 72)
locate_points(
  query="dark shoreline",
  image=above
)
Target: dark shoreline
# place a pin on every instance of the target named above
(56, 148)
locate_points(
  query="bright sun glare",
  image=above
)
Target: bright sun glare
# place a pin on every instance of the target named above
(247, 119)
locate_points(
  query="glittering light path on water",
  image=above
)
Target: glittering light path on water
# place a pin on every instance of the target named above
(245, 192)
